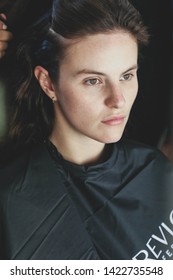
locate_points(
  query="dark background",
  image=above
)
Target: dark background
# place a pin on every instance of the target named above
(152, 111)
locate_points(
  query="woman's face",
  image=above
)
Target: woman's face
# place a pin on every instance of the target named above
(97, 87)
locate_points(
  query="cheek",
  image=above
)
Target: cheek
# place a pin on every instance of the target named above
(133, 97)
(133, 94)
(74, 103)
(66, 97)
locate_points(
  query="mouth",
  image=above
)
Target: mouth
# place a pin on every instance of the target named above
(113, 121)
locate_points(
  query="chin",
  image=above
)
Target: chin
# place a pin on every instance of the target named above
(109, 140)
(112, 135)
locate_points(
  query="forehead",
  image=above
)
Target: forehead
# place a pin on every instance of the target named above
(101, 50)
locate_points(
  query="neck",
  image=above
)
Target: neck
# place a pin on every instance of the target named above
(85, 151)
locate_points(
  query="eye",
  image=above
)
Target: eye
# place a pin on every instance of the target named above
(92, 82)
(126, 77)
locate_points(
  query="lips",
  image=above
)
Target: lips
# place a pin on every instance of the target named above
(114, 120)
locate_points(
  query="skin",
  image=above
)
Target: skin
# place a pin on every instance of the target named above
(5, 36)
(93, 97)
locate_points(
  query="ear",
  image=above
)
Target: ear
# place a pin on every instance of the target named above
(45, 82)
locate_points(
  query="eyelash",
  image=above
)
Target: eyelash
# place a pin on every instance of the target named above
(130, 76)
(87, 82)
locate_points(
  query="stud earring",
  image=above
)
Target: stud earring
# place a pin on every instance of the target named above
(53, 99)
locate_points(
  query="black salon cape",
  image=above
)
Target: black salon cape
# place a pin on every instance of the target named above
(119, 209)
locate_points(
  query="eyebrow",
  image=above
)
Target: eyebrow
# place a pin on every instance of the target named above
(90, 71)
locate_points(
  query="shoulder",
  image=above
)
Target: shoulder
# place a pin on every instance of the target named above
(13, 173)
(145, 160)
(13, 167)
(141, 151)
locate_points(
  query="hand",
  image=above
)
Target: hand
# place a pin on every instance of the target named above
(5, 35)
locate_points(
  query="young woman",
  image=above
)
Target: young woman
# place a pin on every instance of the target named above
(75, 190)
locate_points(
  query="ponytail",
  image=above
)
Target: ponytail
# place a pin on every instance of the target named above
(33, 114)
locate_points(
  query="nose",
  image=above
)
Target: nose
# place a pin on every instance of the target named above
(115, 97)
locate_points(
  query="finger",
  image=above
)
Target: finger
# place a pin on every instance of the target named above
(5, 35)
(2, 53)
(3, 16)
(3, 26)
(2, 21)
(3, 46)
